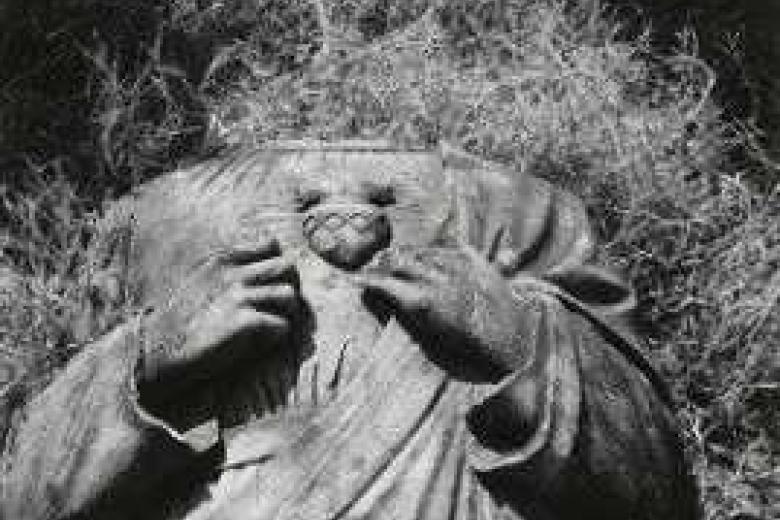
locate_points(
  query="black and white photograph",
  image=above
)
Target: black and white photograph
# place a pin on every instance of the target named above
(389, 260)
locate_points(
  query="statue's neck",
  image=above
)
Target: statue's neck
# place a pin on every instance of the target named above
(328, 351)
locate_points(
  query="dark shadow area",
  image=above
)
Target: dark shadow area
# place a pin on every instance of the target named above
(739, 40)
(113, 93)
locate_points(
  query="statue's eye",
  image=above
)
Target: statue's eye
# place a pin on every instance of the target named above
(305, 200)
(381, 196)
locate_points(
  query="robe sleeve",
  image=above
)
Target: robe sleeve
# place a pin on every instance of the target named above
(585, 428)
(87, 449)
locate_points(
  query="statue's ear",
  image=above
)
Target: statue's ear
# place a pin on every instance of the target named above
(596, 286)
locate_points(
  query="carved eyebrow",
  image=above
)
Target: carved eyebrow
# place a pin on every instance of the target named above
(380, 195)
(306, 199)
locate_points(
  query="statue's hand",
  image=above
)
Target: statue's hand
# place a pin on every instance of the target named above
(248, 318)
(455, 302)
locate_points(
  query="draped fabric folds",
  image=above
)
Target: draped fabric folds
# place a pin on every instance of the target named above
(583, 430)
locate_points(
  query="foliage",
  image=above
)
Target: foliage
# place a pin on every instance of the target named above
(548, 87)
(740, 40)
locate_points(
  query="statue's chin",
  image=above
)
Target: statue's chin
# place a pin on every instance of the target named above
(349, 246)
(346, 248)
(346, 262)
(346, 254)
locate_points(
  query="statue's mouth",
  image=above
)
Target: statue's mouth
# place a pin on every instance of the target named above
(346, 238)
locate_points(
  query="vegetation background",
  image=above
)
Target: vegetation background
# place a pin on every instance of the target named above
(663, 116)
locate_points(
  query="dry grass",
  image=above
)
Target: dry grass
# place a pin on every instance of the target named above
(548, 87)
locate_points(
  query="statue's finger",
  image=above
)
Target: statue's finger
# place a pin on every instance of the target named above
(272, 325)
(403, 294)
(404, 266)
(410, 272)
(277, 269)
(277, 297)
(261, 326)
(247, 253)
(247, 319)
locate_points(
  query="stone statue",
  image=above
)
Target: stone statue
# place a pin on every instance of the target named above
(356, 330)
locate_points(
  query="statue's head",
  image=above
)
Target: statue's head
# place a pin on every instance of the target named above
(351, 199)
(343, 201)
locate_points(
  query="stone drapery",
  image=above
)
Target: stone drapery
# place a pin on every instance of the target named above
(364, 424)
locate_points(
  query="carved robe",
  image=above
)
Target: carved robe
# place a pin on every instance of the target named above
(358, 421)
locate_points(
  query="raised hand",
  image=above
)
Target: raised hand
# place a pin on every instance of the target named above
(456, 303)
(251, 316)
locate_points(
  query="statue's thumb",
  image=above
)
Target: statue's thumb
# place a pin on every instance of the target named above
(402, 295)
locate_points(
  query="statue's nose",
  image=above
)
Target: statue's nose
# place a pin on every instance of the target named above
(347, 235)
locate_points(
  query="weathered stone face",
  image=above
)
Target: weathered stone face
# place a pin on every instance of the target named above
(353, 200)
(356, 201)
(333, 203)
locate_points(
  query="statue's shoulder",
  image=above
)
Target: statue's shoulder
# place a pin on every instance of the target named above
(502, 187)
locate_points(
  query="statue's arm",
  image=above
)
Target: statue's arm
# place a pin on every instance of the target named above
(583, 426)
(580, 427)
(87, 446)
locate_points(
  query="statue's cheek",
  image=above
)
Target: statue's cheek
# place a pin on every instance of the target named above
(347, 238)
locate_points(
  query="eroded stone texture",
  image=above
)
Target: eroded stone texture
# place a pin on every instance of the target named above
(363, 415)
